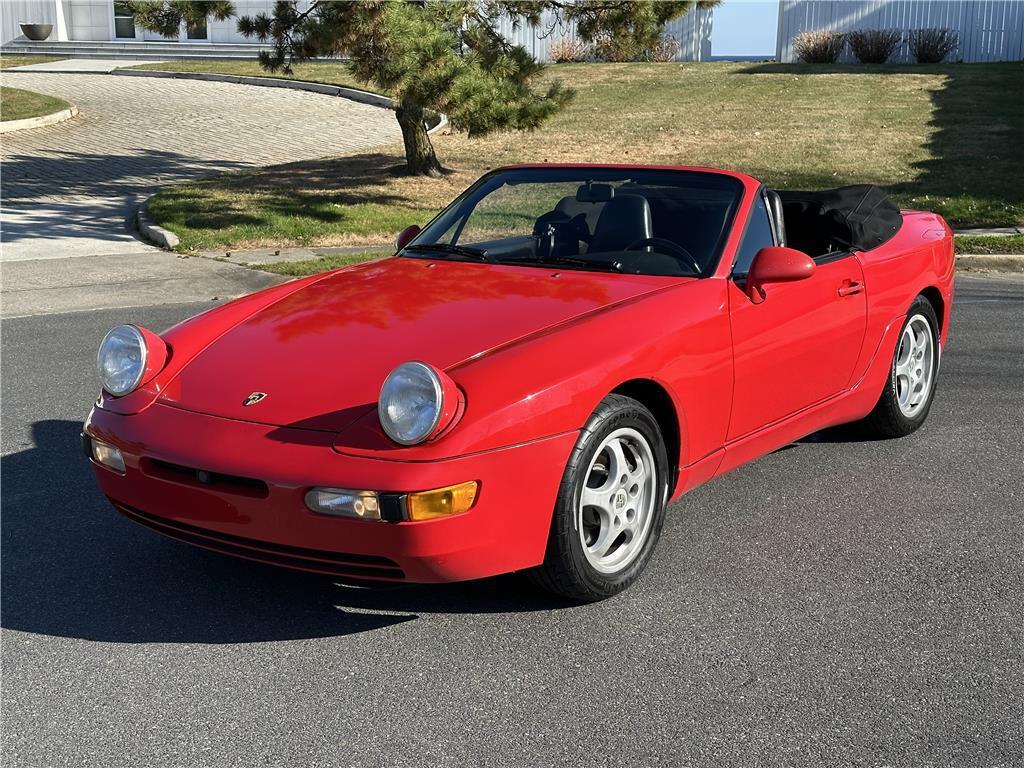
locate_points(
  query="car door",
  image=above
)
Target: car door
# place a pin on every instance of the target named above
(800, 345)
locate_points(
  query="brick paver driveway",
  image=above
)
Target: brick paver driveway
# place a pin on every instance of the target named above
(69, 189)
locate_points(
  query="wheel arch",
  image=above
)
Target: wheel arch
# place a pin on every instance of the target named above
(660, 403)
(934, 297)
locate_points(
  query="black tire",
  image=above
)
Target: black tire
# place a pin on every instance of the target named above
(887, 419)
(566, 571)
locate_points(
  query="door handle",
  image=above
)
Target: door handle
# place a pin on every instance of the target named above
(850, 288)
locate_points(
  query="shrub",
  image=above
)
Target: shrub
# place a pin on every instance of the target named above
(610, 48)
(567, 49)
(664, 51)
(819, 46)
(932, 45)
(874, 46)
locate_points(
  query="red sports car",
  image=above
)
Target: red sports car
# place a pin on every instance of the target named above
(530, 379)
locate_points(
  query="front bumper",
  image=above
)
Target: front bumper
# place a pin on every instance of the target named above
(238, 487)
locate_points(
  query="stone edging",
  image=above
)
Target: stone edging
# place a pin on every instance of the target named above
(353, 94)
(9, 126)
(152, 231)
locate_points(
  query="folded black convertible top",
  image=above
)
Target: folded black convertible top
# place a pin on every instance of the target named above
(860, 217)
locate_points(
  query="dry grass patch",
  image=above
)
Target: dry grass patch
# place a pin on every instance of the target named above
(22, 60)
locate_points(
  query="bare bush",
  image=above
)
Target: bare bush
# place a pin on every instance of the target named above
(665, 51)
(932, 45)
(874, 46)
(567, 49)
(611, 48)
(821, 46)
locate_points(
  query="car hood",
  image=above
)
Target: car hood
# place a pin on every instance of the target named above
(321, 353)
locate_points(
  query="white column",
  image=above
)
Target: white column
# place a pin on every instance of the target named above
(62, 24)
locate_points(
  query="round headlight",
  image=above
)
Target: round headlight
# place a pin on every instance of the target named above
(122, 359)
(416, 403)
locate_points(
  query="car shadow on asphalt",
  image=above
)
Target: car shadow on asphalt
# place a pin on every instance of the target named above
(72, 567)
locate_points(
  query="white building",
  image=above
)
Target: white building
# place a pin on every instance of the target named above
(989, 30)
(90, 27)
(110, 21)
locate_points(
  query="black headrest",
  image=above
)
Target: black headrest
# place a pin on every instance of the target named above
(595, 193)
(624, 220)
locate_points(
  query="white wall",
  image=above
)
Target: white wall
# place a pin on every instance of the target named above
(15, 12)
(227, 31)
(693, 31)
(89, 19)
(990, 30)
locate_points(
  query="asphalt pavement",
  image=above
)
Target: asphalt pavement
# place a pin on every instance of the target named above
(839, 602)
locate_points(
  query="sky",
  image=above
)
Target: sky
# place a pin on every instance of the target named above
(745, 28)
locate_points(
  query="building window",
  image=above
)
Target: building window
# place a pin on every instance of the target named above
(124, 21)
(197, 31)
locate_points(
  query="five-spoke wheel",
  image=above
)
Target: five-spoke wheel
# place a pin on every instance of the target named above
(617, 500)
(914, 365)
(610, 506)
(907, 396)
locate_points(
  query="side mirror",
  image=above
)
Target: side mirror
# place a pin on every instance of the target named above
(405, 236)
(776, 265)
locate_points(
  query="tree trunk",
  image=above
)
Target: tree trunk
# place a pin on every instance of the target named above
(419, 152)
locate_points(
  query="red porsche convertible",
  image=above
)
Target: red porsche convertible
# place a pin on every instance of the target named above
(530, 379)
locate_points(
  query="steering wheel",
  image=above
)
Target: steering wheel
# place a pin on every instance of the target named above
(674, 250)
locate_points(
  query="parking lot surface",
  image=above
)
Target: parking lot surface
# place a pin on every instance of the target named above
(838, 602)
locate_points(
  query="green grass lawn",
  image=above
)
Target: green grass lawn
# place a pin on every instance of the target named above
(990, 244)
(21, 60)
(945, 138)
(320, 264)
(16, 104)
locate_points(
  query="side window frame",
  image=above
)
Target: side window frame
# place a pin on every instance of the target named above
(759, 195)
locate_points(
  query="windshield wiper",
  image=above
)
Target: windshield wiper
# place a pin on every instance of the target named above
(454, 250)
(598, 266)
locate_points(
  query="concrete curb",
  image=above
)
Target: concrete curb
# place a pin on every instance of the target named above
(990, 231)
(9, 126)
(352, 94)
(990, 262)
(152, 231)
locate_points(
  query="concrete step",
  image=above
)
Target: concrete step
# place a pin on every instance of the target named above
(21, 42)
(136, 50)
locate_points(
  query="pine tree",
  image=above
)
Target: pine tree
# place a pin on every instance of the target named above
(432, 55)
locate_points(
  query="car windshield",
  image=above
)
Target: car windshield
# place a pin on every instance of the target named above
(655, 222)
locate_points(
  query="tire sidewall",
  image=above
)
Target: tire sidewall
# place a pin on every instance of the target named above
(629, 414)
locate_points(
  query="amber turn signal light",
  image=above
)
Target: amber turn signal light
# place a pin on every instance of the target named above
(442, 502)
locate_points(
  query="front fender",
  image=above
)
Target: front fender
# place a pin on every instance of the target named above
(550, 384)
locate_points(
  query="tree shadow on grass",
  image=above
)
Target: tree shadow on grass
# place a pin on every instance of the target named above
(975, 163)
(72, 567)
(324, 191)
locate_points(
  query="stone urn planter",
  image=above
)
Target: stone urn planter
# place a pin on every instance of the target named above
(37, 31)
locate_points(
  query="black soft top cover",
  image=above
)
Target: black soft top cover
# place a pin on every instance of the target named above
(859, 217)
